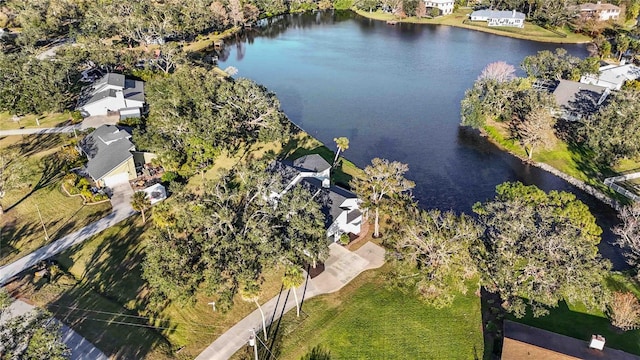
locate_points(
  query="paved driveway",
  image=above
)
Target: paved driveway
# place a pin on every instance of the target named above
(121, 203)
(62, 129)
(81, 348)
(341, 267)
(98, 120)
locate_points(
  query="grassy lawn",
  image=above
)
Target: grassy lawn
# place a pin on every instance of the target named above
(365, 320)
(578, 322)
(457, 19)
(29, 121)
(572, 160)
(204, 42)
(22, 231)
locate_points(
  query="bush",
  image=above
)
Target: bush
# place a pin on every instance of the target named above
(169, 176)
(343, 4)
(344, 239)
(76, 117)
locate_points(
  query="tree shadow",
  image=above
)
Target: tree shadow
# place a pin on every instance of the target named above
(51, 174)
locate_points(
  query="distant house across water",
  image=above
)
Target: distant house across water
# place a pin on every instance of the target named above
(598, 11)
(499, 17)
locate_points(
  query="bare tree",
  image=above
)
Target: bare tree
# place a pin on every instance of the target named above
(624, 311)
(536, 130)
(220, 14)
(499, 71)
(235, 12)
(421, 9)
(629, 233)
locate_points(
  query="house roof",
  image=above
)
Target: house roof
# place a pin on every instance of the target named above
(523, 342)
(106, 148)
(498, 14)
(619, 74)
(578, 97)
(134, 90)
(312, 162)
(597, 7)
(330, 199)
(110, 79)
(103, 88)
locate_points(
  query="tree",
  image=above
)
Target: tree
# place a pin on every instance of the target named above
(342, 143)
(33, 335)
(383, 183)
(293, 277)
(140, 202)
(434, 255)
(612, 132)
(250, 292)
(235, 12)
(556, 65)
(536, 130)
(541, 248)
(421, 9)
(624, 311)
(498, 71)
(628, 232)
(622, 45)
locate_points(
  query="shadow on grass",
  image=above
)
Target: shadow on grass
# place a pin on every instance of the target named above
(12, 235)
(51, 174)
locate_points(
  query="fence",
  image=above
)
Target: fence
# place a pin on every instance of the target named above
(611, 182)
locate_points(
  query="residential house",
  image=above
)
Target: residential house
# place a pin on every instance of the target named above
(499, 17)
(112, 157)
(612, 76)
(340, 206)
(113, 94)
(577, 100)
(445, 6)
(522, 342)
(598, 11)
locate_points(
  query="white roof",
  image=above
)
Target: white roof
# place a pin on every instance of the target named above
(619, 74)
(498, 14)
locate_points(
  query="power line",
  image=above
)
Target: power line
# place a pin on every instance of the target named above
(133, 316)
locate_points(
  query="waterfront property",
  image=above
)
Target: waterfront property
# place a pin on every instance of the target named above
(577, 100)
(113, 94)
(340, 206)
(499, 18)
(598, 11)
(445, 6)
(612, 76)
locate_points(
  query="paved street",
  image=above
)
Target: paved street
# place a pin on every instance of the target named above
(81, 349)
(63, 129)
(121, 210)
(341, 267)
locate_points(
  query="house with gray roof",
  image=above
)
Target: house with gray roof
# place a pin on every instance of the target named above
(340, 206)
(111, 155)
(499, 17)
(113, 94)
(577, 100)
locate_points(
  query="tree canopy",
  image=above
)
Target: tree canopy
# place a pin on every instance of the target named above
(539, 249)
(195, 115)
(228, 235)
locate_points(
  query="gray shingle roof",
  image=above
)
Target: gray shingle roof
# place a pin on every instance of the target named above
(134, 90)
(313, 162)
(106, 147)
(578, 97)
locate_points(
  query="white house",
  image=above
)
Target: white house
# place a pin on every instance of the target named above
(113, 93)
(612, 76)
(445, 6)
(340, 206)
(499, 17)
(599, 11)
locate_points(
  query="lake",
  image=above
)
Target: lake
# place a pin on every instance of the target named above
(395, 92)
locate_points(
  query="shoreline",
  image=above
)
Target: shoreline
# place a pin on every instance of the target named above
(443, 20)
(583, 186)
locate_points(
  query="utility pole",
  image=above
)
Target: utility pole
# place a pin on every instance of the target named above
(46, 235)
(254, 343)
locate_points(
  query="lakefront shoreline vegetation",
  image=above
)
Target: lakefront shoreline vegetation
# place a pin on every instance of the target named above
(221, 238)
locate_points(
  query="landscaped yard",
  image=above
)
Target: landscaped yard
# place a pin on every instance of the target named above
(365, 320)
(22, 230)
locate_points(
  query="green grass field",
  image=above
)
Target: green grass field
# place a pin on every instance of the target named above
(22, 231)
(365, 320)
(29, 121)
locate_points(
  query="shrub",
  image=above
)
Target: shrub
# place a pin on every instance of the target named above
(344, 239)
(169, 176)
(76, 117)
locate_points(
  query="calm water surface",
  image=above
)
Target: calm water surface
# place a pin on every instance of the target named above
(395, 92)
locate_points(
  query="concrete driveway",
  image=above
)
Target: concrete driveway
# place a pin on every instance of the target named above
(81, 348)
(341, 267)
(99, 120)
